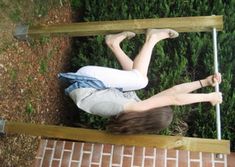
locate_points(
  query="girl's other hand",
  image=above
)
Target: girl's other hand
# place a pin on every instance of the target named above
(213, 79)
(216, 98)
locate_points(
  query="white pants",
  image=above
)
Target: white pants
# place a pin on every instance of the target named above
(114, 78)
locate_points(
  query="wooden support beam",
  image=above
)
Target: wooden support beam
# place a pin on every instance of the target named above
(180, 24)
(168, 142)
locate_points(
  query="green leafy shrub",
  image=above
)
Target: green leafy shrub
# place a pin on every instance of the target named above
(187, 58)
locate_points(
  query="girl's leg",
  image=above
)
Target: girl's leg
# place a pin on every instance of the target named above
(142, 60)
(133, 78)
(153, 36)
(114, 78)
(113, 42)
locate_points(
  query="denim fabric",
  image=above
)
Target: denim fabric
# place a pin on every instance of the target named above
(79, 81)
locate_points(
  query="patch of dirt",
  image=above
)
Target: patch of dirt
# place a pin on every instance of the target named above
(29, 90)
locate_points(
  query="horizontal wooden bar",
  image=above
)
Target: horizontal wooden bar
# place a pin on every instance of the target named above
(180, 24)
(88, 135)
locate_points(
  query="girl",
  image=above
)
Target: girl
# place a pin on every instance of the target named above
(110, 92)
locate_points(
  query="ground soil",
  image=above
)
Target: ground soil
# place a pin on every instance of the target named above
(29, 89)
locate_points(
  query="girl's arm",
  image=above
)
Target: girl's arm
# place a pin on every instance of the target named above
(176, 99)
(192, 86)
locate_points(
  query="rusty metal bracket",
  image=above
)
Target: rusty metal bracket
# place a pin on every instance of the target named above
(2, 126)
(21, 32)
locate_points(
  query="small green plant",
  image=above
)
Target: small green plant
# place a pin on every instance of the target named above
(44, 39)
(29, 108)
(44, 62)
(43, 66)
(13, 74)
(29, 79)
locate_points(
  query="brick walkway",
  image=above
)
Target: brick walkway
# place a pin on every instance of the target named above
(56, 153)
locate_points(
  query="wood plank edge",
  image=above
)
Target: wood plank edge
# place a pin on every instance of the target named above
(88, 135)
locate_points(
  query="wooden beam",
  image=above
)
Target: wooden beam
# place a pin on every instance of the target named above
(180, 24)
(168, 142)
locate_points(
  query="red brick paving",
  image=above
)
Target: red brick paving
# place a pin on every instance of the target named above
(56, 153)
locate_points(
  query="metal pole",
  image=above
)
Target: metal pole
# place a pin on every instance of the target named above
(217, 85)
(216, 66)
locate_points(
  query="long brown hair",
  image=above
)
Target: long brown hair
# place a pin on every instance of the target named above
(151, 121)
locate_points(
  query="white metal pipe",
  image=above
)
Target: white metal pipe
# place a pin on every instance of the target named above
(216, 66)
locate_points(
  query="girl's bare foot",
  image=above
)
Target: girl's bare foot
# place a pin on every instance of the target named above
(116, 39)
(216, 98)
(160, 34)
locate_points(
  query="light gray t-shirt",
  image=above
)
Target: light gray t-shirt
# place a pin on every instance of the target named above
(107, 102)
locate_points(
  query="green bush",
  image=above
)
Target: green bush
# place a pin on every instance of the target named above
(186, 58)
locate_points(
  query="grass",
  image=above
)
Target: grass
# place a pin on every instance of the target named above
(40, 8)
(3, 46)
(21, 101)
(27, 10)
(13, 74)
(44, 62)
(15, 15)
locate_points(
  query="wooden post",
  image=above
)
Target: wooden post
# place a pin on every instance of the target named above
(168, 142)
(180, 24)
